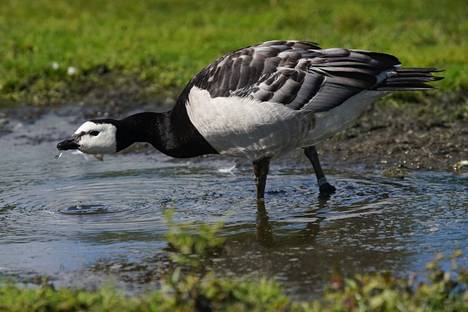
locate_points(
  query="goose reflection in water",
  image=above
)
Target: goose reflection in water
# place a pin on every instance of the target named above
(264, 230)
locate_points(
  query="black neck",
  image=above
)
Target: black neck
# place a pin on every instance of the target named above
(171, 133)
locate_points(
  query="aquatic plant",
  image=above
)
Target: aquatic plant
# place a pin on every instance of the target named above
(191, 248)
(440, 290)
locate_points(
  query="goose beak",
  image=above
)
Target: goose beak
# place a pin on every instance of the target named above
(68, 144)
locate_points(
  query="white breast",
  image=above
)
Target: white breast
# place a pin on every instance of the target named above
(245, 127)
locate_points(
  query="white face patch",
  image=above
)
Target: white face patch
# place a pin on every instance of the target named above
(97, 138)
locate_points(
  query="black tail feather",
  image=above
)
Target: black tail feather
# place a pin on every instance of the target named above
(409, 79)
(419, 69)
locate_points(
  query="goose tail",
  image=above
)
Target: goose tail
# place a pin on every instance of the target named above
(409, 79)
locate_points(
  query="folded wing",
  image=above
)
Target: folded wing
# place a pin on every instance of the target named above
(300, 75)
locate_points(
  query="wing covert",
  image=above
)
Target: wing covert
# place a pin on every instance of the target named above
(297, 74)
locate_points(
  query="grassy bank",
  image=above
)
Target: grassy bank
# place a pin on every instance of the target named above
(55, 49)
(193, 286)
(364, 293)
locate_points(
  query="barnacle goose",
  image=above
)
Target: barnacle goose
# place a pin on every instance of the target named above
(260, 102)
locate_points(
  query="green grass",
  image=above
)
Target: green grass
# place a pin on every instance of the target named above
(379, 293)
(166, 42)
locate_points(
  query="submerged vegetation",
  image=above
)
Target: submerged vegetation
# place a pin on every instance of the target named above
(52, 50)
(193, 286)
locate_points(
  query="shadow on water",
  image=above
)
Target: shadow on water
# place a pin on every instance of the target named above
(59, 217)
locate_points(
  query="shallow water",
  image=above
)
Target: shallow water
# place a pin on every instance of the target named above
(58, 217)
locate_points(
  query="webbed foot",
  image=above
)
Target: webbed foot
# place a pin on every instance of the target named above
(326, 189)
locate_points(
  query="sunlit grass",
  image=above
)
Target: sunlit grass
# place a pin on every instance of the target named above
(167, 42)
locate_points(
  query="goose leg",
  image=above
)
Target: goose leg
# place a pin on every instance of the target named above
(261, 167)
(324, 187)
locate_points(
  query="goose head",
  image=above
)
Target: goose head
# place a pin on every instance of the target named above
(93, 137)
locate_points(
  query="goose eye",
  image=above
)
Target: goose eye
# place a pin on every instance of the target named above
(93, 133)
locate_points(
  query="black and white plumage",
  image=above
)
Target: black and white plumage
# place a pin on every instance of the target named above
(265, 100)
(298, 74)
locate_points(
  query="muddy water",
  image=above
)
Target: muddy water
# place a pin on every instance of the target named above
(59, 217)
